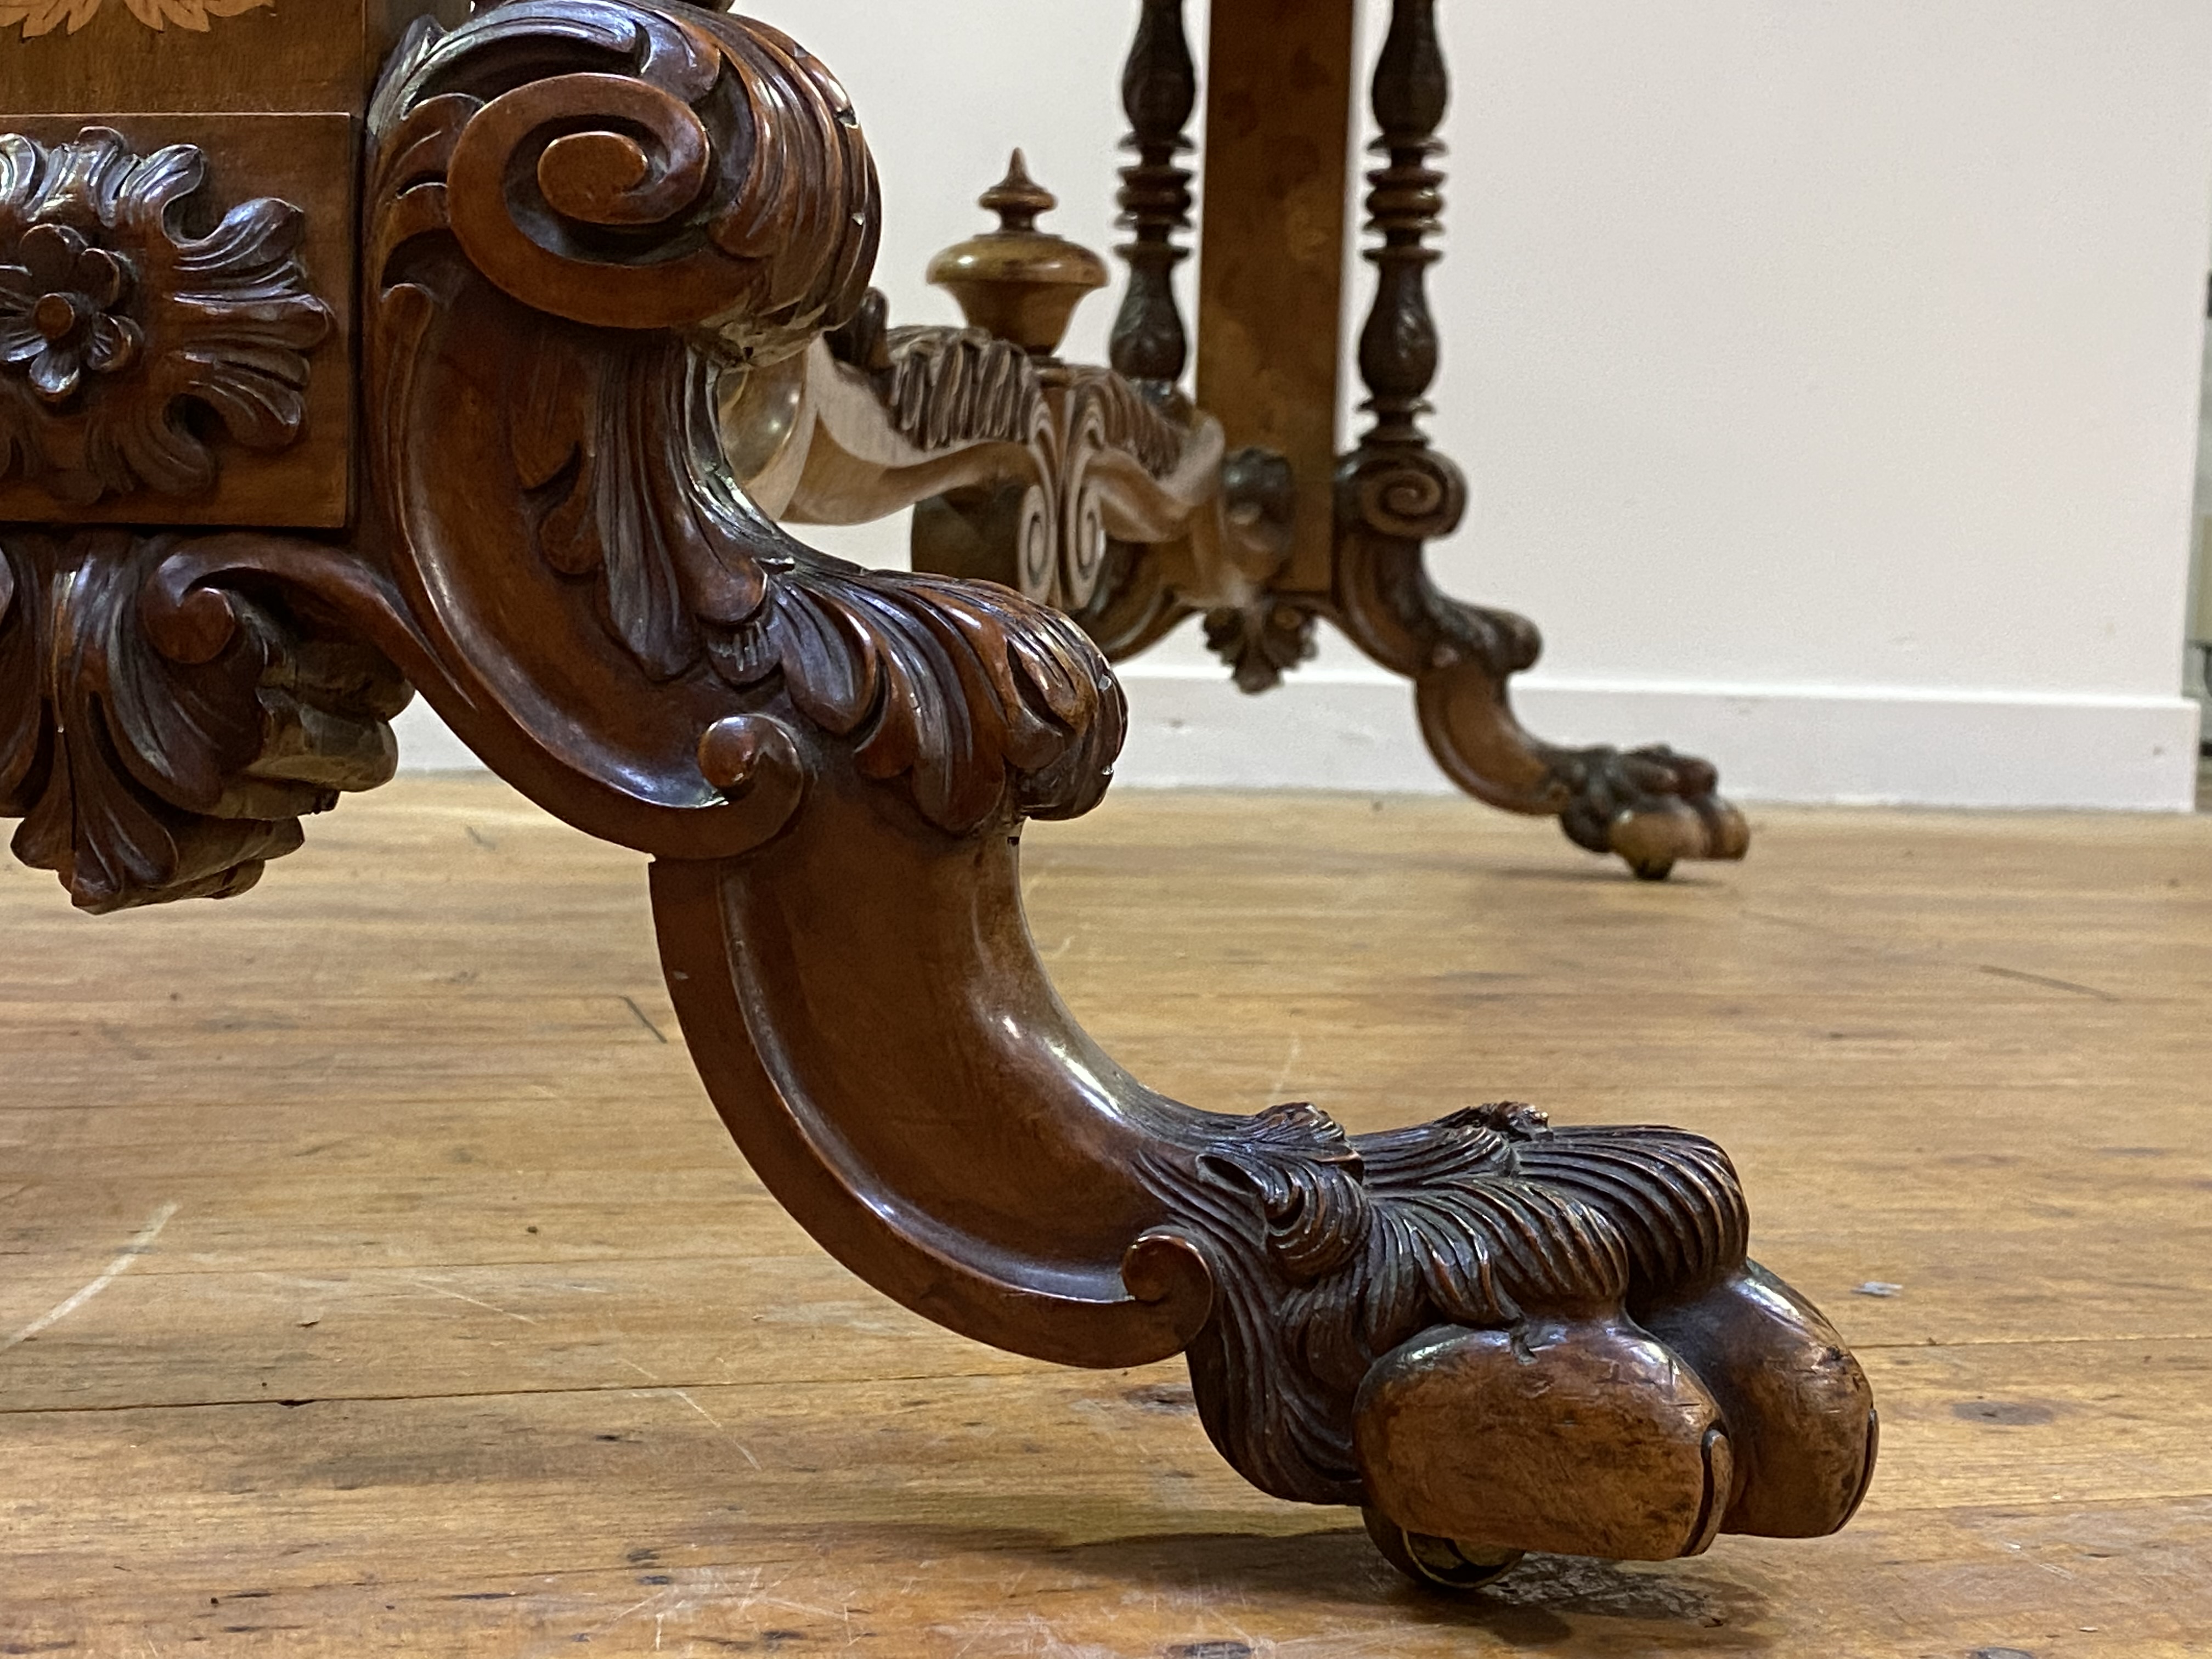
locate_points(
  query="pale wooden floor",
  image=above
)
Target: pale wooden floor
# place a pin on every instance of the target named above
(467, 1334)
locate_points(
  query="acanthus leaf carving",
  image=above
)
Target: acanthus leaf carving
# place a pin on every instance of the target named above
(985, 701)
(1261, 641)
(144, 776)
(606, 435)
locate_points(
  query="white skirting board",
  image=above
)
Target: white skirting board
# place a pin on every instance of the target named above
(1351, 730)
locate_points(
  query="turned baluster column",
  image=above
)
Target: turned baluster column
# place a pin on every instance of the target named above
(1159, 90)
(1398, 350)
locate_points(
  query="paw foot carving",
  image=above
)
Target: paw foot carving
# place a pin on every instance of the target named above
(1652, 807)
(1576, 1437)
(1797, 1404)
(1495, 1336)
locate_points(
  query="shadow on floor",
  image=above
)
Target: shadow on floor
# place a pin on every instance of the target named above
(1546, 1602)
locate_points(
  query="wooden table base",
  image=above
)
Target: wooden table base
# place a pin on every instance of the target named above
(602, 243)
(1349, 528)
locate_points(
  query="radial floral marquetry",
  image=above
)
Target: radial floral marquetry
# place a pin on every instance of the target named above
(39, 17)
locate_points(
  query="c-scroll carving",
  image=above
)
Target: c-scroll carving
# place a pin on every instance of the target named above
(832, 767)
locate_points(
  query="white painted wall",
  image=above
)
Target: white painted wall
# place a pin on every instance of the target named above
(1827, 371)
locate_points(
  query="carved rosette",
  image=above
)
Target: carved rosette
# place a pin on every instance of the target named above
(126, 343)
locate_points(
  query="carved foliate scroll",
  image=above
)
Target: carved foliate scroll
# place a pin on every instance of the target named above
(155, 755)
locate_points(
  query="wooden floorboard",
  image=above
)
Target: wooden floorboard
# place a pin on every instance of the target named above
(457, 1327)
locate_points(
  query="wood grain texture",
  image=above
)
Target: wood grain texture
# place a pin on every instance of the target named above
(301, 55)
(1960, 1056)
(1271, 270)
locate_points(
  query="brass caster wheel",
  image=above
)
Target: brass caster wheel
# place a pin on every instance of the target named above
(1438, 1563)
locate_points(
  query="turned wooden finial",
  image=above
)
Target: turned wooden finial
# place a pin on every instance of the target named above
(1018, 283)
(1017, 199)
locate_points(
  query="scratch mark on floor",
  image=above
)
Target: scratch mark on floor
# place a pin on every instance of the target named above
(744, 1450)
(487, 1307)
(136, 1248)
(2055, 984)
(482, 840)
(659, 1035)
(657, 1598)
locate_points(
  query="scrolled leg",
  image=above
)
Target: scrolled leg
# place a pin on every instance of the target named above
(1650, 807)
(1395, 495)
(1442, 1326)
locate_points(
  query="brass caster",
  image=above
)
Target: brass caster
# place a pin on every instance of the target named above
(1438, 1563)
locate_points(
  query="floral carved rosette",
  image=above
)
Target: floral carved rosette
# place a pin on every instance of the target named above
(128, 345)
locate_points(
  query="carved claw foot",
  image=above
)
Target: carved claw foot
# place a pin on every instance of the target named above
(1604, 1437)
(1574, 1436)
(1652, 807)
(1799, 1415)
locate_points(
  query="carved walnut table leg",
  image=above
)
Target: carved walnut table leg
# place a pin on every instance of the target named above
(1395, 495)
(591, 228)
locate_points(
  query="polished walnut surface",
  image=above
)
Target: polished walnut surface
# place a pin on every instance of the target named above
(1952, 1054)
